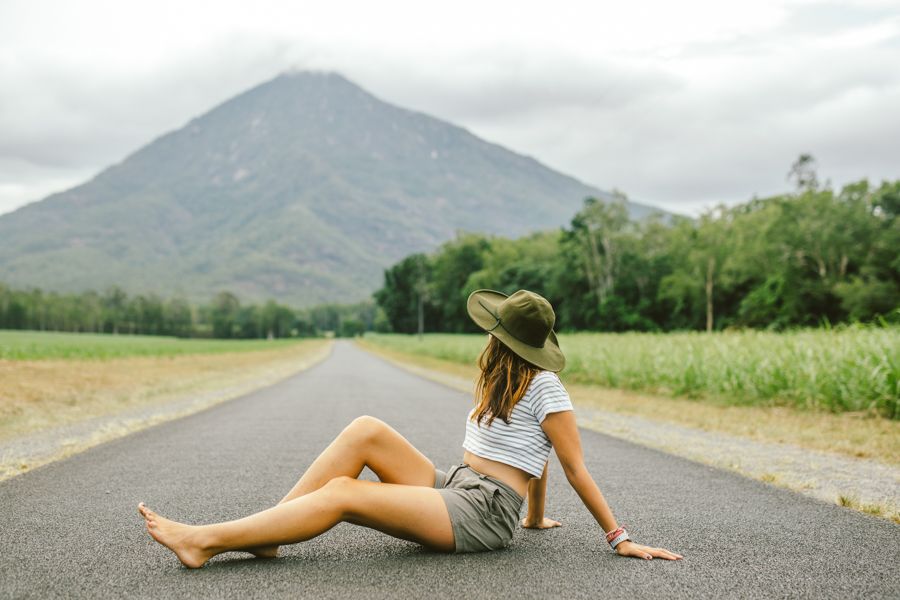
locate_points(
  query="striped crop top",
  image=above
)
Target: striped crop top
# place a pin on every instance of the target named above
(522, 443)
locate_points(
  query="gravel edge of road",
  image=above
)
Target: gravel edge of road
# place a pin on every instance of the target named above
(22, 454)
(830, 478)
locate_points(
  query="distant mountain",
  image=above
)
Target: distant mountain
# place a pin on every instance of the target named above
(301, 189)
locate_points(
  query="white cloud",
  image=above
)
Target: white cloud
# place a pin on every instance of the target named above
(680, 104)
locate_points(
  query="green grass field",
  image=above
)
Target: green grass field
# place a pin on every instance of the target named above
(843, 369)
(34, 345)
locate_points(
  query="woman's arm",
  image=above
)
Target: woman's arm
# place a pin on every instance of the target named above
(537, 494)
(562, 431)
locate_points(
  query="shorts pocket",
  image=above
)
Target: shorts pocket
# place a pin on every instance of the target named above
(496, 506)
(504, 522)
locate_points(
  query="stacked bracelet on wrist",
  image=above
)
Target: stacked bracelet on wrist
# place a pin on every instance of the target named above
(617, 536)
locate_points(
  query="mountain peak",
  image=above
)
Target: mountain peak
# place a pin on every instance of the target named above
(312, 74)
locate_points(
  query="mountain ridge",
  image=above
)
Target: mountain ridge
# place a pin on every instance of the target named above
(302, 189)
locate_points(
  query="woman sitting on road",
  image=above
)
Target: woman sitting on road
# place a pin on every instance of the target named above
(522, 409)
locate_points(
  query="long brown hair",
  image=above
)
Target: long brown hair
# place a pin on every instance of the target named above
(504, 379)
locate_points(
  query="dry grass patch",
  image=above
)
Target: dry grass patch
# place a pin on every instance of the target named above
(41, 394)
(850, 434)
(876, 510)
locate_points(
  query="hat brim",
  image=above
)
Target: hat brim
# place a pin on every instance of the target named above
(482, 307)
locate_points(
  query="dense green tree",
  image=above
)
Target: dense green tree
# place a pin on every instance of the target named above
(351, 328)
(225, 312)
(700, 251)
(114, 301)
(405, 298)
(872, 287)
(179, 317)
(276, 321)
(599, 230)
(508, 265)
(331, 317)
(445, 289)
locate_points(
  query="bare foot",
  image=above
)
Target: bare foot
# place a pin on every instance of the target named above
(177, 537)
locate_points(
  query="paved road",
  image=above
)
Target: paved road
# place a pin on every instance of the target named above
(70, 529)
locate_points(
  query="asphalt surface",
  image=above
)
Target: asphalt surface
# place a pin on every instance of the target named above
(70, 529)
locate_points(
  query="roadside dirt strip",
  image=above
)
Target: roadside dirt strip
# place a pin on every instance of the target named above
(70, 529)
(26, 452)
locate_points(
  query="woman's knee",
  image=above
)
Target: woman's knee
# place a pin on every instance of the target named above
(341, 482)
(365, 427)
(340, 490)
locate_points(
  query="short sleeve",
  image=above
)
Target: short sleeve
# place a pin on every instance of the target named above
(549, 396)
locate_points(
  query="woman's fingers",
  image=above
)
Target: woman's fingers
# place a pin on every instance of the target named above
(663, 553)
(673, 555)
(646, 552)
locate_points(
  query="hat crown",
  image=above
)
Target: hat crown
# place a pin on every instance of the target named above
(523, 322)
(528, 317)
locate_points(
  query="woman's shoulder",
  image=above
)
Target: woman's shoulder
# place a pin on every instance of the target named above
(543, 380)
(547, 394)
(545, 375)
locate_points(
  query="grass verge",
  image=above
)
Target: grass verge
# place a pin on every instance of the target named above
(44, 345)
(848, 369)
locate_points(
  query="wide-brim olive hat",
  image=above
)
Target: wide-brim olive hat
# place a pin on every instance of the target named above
(523, 321)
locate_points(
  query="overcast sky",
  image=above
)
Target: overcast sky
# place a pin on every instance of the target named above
(679, 104)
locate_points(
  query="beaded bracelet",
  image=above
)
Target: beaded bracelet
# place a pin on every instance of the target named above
(614, 533)
(623, 537)
(616, 537)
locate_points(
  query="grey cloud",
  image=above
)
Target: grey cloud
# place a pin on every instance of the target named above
(802, 82)
(833, 17)
(730, 164)
(694, 148)
(802, 21)
(58, 117)
(509, 86)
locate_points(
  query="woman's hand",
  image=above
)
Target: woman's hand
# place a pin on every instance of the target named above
(629, 548)
(544, 523)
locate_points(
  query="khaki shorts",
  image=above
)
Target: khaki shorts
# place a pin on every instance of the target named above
(483, 510)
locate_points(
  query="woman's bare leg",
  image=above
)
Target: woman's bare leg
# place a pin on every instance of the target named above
(365, 442)
(414, 513)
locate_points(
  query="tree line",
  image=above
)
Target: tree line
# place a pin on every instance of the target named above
(809, 257)
(114, 311)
